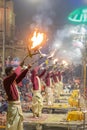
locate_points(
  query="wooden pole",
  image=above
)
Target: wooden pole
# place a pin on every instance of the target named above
(84, 77)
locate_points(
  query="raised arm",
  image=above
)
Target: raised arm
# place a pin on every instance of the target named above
(10, 79)
(43, 72)
(22, 75)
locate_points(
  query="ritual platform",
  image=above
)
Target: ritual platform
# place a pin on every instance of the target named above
(65, 94)
(58, 108)
(49, 121)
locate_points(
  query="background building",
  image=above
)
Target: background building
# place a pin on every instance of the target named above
(10, 28)
(13, 47)
(10, 21)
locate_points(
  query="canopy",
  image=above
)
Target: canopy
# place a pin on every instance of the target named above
(79, 15)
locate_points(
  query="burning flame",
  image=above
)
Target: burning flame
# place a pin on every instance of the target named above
(65, 63)
(37, 39)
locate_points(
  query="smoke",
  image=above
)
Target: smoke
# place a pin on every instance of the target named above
(64, 43)
(85, 1)
(78, 44)
(44, 15)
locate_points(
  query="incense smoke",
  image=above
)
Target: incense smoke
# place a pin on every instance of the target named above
(68, 49)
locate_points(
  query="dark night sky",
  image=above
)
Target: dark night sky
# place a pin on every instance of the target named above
(57, 10)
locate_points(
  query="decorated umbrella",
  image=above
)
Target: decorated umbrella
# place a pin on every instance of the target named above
(79, 16)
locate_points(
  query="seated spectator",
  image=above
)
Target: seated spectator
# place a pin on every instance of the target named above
(3, 107)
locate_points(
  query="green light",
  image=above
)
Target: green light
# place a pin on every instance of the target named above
(78, 15)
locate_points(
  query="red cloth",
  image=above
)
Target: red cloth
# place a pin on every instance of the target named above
(10, 84)
(47, 79)
(59, 75)
(43, 88)
(18, 71)
(35, 80)
(54, 76)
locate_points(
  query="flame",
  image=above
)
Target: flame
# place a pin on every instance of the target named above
(37, 39)
(65, 63)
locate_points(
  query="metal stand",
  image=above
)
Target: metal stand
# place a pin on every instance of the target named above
(84, 121)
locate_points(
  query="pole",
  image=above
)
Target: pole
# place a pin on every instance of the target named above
(85, 71)
(84, 78)
(4, 36)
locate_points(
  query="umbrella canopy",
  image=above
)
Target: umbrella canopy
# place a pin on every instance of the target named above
(79, 16)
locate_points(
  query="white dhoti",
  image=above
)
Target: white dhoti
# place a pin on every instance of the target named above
(14, 116)
(37, 103)
(49, 95)
(60, 88)
(57, 90)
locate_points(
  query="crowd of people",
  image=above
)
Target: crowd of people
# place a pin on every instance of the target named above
(30, 88)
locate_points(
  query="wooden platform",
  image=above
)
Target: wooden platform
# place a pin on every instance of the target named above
(57, 105)
(58, 108)
(65, 94)
(48, 120)
(51, 120)
(63, 97)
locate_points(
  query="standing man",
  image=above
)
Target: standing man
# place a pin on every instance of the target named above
(14, 112)
(56, 84)
(60, 78)
(49, 86)
(37, 100)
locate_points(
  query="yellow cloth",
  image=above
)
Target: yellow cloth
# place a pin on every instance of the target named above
(14, 116)
(58, 105)
(75, 116)
(75, 94)
(74, 98)
(73, 102)
(46, 62)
